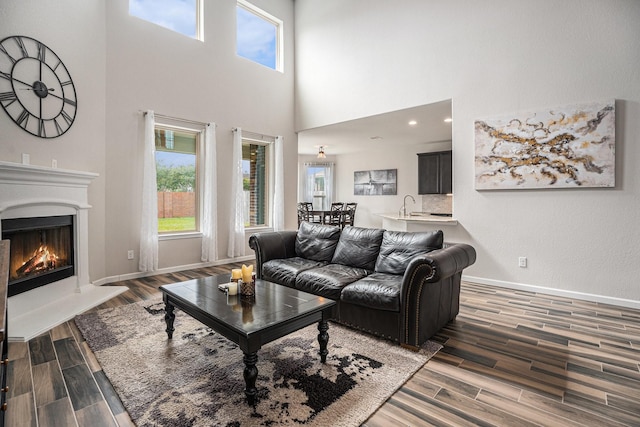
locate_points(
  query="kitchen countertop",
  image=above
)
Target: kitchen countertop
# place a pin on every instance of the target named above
(421, 218)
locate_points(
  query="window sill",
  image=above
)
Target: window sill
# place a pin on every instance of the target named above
(256, 229)
(176, 236)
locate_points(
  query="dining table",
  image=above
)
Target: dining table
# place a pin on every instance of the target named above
(324, 216)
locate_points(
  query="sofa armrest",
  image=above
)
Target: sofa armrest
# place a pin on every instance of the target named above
(431, 291)
(272, 245)
(441, 263)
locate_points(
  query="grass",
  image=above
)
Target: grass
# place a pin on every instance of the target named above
(187, 223)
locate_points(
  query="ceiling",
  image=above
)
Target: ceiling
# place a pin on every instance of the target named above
(380, 131)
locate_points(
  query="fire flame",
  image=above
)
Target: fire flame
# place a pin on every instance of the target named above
(41, 260)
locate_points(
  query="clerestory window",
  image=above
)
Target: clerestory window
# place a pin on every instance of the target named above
(258, 36)
(181, 16)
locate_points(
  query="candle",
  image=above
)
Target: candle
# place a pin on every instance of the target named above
(236, 274)
(233, 288)
(247, 273)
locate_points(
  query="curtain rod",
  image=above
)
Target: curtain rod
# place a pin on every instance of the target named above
(178, 119)
(256, 135)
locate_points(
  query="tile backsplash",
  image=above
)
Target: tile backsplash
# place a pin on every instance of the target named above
(437, 203)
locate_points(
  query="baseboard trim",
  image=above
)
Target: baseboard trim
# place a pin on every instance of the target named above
(621, 302)
(137, 275)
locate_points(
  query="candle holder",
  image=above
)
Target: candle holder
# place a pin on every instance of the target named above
(247, 288)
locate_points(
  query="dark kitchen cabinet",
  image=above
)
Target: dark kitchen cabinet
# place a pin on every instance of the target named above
(435, 173)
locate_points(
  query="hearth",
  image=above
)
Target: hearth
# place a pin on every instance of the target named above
(42, 251)
(45, 213)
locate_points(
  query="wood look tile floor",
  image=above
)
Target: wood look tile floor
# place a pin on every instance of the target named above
(511, 358)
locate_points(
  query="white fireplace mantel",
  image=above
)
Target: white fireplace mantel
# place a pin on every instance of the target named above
(35, 191)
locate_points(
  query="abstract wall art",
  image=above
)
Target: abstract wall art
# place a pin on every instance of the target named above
(565, 147)
(381, 182)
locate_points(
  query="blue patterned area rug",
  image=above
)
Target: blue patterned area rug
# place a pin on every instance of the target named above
(196, 379)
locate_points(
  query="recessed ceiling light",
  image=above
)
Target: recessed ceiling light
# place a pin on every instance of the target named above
(448, 120)
(412, 123)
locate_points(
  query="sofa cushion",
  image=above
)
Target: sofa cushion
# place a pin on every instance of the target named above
(379, 291)
(399, 247)
(284, 271)
(316, 242)
(327, 281)
(358, 247)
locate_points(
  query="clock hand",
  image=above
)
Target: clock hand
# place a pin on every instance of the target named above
(20, 81)
(67, 100)
(30, 88)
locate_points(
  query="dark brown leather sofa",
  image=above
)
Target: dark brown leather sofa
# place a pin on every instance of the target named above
(404, 286)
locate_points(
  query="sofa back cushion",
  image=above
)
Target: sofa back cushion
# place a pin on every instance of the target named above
(317, 241)
(358, 247)
(398, 248)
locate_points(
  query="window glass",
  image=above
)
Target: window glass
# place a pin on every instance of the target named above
(258, 35)
(181, 16)
(176, 173)
(255, 183)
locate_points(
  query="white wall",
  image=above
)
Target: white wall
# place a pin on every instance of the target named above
(150, 67)
(359, 58)
(123, 65)
(75, 31)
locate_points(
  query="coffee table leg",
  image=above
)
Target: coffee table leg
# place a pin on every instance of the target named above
(250, 374)
(323, 339)
(169, 317)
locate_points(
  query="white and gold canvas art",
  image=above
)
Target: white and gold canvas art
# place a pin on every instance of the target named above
(565, 147)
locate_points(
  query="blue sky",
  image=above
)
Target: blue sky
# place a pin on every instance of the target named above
(256, 38)
(177, 15)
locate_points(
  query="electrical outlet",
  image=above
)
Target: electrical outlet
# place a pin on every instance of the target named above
(522, 262)
(130, 254)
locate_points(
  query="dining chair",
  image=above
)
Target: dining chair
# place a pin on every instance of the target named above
(304, 212)
(349, 213)
(336, 215)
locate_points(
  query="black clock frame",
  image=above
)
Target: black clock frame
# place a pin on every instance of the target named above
(52, 111)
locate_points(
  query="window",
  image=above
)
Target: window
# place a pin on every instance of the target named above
(258, 36)
(256, 182)
(181, 16)
(177, 176)
(316, 185)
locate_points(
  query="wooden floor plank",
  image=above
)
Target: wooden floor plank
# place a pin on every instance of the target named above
(511, 357)
(21, 411)
(96, 415)
(56, 414)
(48, 384)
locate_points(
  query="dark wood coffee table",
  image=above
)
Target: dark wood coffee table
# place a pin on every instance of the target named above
(274, 312)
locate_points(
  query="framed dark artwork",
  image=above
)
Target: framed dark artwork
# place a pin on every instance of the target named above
(382, 182)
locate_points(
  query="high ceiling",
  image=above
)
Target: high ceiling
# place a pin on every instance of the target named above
(379, 131)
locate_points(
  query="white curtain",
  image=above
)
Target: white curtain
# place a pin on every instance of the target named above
(278, 194)
(149, 220)
(236, 204)
(209, 196)
(308, 192)
(328, 186)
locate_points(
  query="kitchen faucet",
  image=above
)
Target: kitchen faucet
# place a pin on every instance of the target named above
(403, 211)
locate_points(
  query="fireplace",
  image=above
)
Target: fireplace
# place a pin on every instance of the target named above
(44, 212)
(41, 251)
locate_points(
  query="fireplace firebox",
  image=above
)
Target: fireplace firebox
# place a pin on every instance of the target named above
(41, 251)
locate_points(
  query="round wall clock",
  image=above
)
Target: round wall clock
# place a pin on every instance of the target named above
(36, 89)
